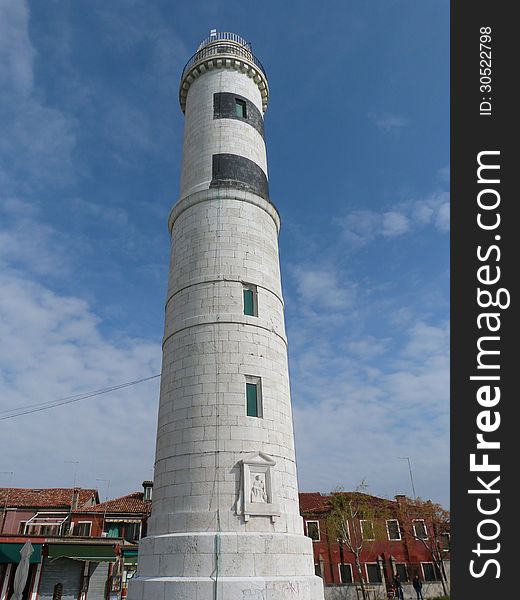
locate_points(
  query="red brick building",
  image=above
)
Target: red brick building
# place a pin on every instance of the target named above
(44, 511)
(82, 549)
(396, 537)
(122, 519)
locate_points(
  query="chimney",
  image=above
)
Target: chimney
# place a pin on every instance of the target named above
(75, 499)
(147, 490)
(401, 499)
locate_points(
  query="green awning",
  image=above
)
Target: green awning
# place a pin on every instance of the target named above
(10, 553)
(93, 552)
(130, 556)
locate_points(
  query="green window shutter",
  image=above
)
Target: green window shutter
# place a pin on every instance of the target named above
(252, 399)
(249, 303)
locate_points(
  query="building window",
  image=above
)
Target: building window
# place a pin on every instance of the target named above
(346, 532)
(313, 530)
(21, 527)
(131, 532)
(430, 572)
(49, 530)
(317, 569)
(253, 397)
(345, 573)
(444, 542)
(419, 529)
(250, 300)
(392, 527)
(367, 530)
(82, 528)
(402, 571)
(113, 530)
(240, 108)
(373, 573)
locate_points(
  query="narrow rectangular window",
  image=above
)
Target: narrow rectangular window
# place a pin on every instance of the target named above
(253, 397)
(444, 542)
(345, 573)
(402, 571)
(313, 530)
(240, 108)
(131, 532)
(373, 573)
(419, 529)
(392, 527)
(429, 572)
(250, 300)
(367, 530)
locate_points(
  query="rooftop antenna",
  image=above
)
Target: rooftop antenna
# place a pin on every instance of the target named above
(409, 469)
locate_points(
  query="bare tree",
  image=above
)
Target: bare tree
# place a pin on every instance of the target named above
(348, 510)
(436, 524)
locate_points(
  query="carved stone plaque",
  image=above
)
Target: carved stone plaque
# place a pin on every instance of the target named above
(257, 493)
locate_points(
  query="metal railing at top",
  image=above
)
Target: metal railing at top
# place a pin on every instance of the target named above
(224, 49)
(215, 36)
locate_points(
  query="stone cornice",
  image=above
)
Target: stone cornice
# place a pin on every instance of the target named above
(219, 56)
(223, 194)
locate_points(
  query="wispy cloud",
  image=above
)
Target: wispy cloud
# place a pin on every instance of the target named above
(321, 289)
(387, 122)
(53, 342)
(344, 399)
(37, 139)
(52, 348)
(360, 227)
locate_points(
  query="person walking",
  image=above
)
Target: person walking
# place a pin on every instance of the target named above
(417, 586)
(398, 587)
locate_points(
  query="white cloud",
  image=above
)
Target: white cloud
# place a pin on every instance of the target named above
(359, 227)
(53, 344)
(25, 240)
(362, 419)
(394, 224)
(444, 174)
(37, 140)
(320, 289)
(388, 122)
(116, 216)
(16, 52)
(52, 347)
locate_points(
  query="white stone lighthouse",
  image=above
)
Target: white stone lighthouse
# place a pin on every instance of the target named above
(225, 522)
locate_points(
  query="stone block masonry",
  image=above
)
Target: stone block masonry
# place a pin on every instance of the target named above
(225, 522)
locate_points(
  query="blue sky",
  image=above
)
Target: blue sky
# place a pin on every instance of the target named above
(358, 145)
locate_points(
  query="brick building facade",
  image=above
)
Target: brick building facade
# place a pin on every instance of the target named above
(396, 536)
(82, 549)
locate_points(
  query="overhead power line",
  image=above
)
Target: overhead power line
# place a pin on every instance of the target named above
(32, 408)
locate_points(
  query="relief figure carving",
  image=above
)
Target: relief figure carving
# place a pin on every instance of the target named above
(258, 493)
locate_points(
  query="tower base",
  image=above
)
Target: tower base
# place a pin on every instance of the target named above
(227, 588)
(225, 566)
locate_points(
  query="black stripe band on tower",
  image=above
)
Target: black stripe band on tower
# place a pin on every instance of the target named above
(225, 107)
(231, 170)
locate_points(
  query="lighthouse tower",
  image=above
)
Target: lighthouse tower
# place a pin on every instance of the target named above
(225, 522)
